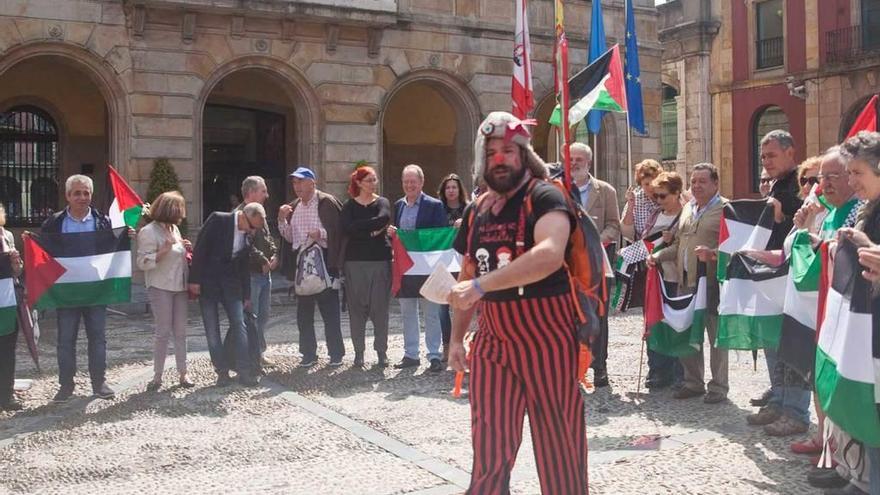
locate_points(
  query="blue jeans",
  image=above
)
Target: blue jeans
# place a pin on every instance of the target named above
(261, 289)
(95, 319)
(874, 469)
(409, 310)
(234, 308)
(791, 395)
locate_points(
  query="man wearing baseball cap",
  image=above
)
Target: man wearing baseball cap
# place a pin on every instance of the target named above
(525, 355)
(314, 217)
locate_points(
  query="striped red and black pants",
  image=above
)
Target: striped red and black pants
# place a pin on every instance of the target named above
(524, 359)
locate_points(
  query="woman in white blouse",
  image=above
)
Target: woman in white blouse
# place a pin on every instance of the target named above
(162, 255)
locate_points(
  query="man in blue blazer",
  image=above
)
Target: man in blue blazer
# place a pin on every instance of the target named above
(417, 210)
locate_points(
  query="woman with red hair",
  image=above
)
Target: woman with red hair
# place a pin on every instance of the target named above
(367, 265)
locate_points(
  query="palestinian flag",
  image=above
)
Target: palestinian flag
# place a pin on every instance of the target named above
(625, 269)
(745, 224)
(416, 253)
(125, 206)
(78, 269)
(674, 324)
(8, 306)
(797, 344)
(867, 120)
(600, 86)
(751, 304)
(847, 354)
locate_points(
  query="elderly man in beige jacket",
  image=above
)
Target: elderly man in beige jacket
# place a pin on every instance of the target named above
(600, 200)
(697, 240)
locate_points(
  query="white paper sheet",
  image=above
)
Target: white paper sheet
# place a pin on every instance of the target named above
(439, 285)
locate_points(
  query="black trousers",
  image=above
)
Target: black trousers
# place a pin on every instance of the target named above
(7, 365)
(328, 305)
(600, 347)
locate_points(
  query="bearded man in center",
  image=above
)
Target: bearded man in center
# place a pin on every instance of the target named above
(524, 357)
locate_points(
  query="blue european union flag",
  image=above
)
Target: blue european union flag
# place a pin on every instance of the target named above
(632, 74)
(597, 48)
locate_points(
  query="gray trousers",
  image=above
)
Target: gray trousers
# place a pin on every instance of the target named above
(368, 294)
(694, 366)
(169, 316)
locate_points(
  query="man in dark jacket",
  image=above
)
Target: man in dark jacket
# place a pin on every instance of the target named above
(80, 216)
(417, 210)
(219, 275)
(314, 218)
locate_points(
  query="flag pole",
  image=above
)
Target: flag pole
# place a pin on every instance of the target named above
(629, 173)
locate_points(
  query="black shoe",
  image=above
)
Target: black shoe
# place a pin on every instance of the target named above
(358, 360)
(436, 366)
(223, 379)
(335, 362)
(64, 394)
(763, 400)
(308, 362)
(104, 392)
(154, 386)
(184, 383)
(407, 363)
(248, 381)
(600, 380)
(11, 405)
(825, 478)
(383, 360)
(657, 383)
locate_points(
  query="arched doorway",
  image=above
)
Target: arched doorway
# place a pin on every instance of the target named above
(52, 127)
(249, 125)
(767, 119)
(429, 120)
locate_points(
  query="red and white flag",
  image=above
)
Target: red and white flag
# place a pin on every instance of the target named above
(521, 90)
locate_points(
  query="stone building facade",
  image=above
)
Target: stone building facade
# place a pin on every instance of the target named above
(808, 66)
(226, 88)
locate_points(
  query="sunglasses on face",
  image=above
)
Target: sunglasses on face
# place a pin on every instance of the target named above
(766, 180)
(660, 196)
(809, 180)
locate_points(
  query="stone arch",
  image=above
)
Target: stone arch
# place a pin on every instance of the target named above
(458, 95)
(308, 122)
(105, 79)
(850, 116)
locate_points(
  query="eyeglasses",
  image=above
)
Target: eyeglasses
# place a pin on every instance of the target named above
(809, 180)
(828, 176)
(766, 180)
(660, 196)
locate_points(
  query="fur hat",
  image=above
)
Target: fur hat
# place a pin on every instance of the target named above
(505, 126)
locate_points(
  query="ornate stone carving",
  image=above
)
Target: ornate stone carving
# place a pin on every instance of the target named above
(138, 21)
(237, 28)
(189, 27)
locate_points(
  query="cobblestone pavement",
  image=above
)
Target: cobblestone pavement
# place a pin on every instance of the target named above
(349, 431)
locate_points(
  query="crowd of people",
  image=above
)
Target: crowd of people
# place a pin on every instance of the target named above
(525, 315)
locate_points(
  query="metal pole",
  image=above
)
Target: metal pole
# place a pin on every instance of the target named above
(629, 163)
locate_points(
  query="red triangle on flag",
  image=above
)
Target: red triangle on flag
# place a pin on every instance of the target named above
(653, 299)
(867, 120)
(723, 233)
(401, 264)
(41, 268)
(125, 195)
(616, 84)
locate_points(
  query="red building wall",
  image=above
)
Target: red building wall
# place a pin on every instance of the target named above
(833, 15)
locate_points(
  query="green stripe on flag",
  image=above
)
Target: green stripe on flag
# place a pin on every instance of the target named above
(746, 332)
(806, 266)
(606, 102)
(8, 320)
(852, 405)
(99, 293)
(670, 342)
(133, 215)
(433, 239)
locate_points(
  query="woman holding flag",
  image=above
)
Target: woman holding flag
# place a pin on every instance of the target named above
(8, 336)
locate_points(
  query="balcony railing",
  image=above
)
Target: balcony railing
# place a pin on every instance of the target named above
(770, 52)
(850, 43)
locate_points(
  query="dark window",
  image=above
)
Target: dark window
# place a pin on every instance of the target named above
(870, 24)
(29, 159)
(669, 124)
(770, 119)
(769, 42)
